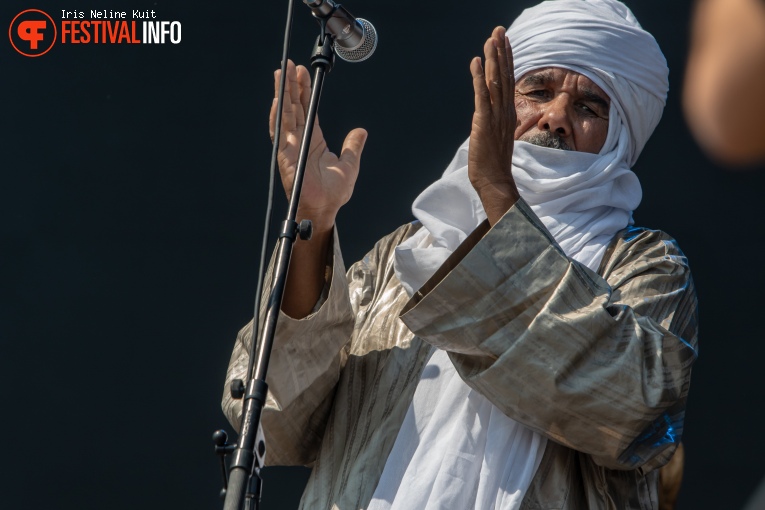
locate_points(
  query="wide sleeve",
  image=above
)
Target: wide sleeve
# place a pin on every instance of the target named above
(306, 360)
(599, 365)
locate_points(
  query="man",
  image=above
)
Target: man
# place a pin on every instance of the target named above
(725, 77)
(520, 345)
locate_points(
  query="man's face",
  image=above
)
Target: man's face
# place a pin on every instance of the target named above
(561, 109)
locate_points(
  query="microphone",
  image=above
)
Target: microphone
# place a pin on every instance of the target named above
(355, 38)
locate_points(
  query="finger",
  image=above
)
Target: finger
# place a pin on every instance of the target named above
(493, 82)
(277, 84)
(294, 96)
(482, 98)
(272, 120)
(505, 60)
(304, 82)
(288, 118)
(353, 146)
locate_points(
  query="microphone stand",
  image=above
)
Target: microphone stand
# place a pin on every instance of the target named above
(244, 474)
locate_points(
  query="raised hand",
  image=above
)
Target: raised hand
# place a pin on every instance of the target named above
(494, 121)
(329, 180)
(327, 186)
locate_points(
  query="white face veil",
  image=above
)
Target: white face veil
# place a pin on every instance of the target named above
(583, 199)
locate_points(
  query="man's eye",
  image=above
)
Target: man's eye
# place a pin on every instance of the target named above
(587, 110)
(537, 93)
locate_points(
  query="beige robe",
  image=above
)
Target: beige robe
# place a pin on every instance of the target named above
(598, 363)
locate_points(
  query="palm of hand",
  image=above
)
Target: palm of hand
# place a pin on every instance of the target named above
(329, 180)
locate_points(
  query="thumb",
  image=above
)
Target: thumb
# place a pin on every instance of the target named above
(352, 147)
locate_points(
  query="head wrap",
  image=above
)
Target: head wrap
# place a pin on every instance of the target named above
(602, 40)
(583, 199)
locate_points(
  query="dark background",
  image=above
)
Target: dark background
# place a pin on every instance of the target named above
(133, 188)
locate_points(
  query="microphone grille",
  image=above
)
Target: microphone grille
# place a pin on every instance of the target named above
(364, 49)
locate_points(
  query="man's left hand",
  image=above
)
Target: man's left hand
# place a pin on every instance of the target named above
(494, 121)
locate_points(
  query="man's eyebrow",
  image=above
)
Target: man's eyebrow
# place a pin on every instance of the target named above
(539, 79)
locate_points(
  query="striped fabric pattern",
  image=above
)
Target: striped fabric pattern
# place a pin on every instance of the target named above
(598, 363)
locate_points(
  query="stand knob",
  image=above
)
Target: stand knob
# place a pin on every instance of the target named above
(237, 389)
(222, 448)
(220, 437)
(305, 230)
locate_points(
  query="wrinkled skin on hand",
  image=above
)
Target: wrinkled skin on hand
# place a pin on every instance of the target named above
(493, 128)
(329, 179)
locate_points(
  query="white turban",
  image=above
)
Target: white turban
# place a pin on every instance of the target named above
(583, 199)
(602, 40)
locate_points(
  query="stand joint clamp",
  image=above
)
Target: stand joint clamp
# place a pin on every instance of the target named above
(291, 230)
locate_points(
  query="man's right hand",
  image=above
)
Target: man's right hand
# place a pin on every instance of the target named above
(327, 186)
(329, 180)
